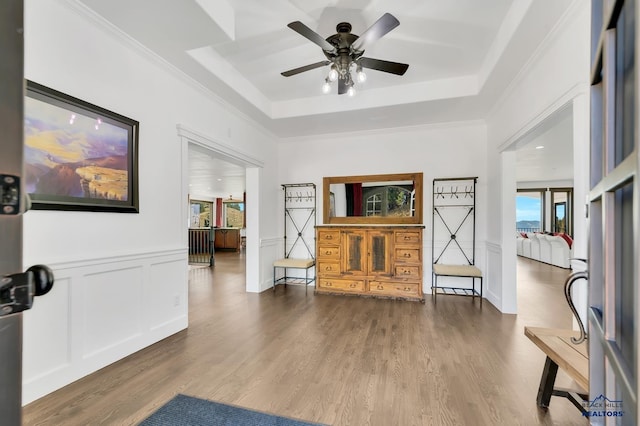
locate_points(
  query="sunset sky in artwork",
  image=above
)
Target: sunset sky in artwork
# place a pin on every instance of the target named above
(54, 135)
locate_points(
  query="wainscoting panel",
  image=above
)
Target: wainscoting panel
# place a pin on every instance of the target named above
(493, 278)
(166, 301)
(270, 248)
(99, 311)
(42, 353)
(111, 310)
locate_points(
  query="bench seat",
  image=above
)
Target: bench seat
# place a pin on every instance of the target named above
(465, 271)
(561, 352)
(291, 263)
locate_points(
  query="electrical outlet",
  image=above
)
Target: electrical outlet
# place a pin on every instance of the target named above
(176, 301)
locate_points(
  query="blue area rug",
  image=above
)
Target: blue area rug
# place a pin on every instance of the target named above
(189, 411)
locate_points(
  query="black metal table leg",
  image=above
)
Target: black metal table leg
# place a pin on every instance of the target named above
(547, 381)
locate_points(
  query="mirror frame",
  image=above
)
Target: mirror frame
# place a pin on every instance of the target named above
(417, 185)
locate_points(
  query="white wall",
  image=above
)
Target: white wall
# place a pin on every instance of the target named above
(122, 278)
(556, 74)
(438, 151)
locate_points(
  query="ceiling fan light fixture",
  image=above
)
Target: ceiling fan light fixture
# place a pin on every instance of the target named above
(351, 92)
(362, 77)
(344, 52)
(326, 87)
(333, 74)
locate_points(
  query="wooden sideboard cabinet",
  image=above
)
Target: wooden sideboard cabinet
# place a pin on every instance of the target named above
(227, 239)
(381, 261)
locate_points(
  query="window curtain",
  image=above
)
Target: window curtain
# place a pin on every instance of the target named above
(349, 196)
(354, 199)
(219, 212)
(357, 199)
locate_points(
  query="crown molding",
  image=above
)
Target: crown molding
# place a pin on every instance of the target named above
(558, 29)
(85, 12)
(386, 131)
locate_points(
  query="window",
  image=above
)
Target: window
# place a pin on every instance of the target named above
(559, 217)
(390, 200)
(200, 215)
(233, 214)
(562, 214)
(374, 205)
(529, 210)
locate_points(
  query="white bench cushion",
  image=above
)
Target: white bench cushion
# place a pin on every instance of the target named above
(294, 263)
(457, 270)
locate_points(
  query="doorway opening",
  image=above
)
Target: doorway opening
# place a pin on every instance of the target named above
(227, 180)
(544, 174)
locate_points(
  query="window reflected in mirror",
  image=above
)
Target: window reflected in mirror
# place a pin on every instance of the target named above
(373, 199)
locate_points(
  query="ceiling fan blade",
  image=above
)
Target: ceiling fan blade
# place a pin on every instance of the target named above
(311, 35)
(384, 66)
(305, 68)
(342, 87)
(382, 26)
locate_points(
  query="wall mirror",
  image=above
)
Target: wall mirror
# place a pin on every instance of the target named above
(373, 199)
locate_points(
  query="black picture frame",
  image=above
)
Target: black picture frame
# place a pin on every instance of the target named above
(78, 156)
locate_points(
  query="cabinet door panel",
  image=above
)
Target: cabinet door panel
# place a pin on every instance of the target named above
(219, 242)
(232, 240)
(355, 247)
(379, 255)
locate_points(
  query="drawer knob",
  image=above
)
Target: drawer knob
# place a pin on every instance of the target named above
(328, 252)
(327, 268)
(380, 287)
(328, 284)
(329, 237)
(352, 285)
(406, 272)
(407, 255)
(406, 237)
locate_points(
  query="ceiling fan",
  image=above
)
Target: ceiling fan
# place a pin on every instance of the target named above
(344, 51)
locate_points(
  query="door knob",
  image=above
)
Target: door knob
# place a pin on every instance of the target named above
(18, 290)
(42, 279)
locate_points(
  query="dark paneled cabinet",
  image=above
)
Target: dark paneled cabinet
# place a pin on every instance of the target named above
(227, 239)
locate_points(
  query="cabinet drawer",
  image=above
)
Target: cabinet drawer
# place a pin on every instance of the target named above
(408, 271)
(409, 237)
(328, 252)
(395, 289)
(328, 268)
(341, 285)
(329, 235)
(407, 255)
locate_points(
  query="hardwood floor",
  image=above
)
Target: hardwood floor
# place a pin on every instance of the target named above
(335, 360)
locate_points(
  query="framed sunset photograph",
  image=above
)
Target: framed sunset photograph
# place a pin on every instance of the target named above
(78, 156)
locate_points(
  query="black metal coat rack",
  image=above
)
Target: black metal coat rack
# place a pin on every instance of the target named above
(454, 221)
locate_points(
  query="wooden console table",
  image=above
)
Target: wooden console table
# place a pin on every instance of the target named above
(561, 352)
(380, 261)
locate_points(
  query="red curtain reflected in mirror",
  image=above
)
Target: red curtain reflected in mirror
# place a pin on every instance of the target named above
(354, 199)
